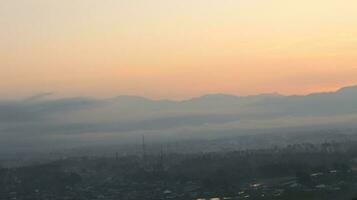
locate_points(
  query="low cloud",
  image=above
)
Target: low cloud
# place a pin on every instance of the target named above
(75, 121)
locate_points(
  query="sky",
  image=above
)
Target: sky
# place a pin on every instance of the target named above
(176, 49)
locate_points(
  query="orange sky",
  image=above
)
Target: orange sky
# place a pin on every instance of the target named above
(176, 49)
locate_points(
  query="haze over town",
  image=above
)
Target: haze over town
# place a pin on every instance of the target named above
(178, 100)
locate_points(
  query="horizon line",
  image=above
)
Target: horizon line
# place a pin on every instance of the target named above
(53, 94)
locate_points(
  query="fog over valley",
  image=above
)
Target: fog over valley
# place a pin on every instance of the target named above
(42, 122)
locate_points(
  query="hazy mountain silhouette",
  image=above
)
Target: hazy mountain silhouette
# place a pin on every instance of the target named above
(213, 115)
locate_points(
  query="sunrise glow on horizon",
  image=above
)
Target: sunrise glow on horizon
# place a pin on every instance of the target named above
(176, 49)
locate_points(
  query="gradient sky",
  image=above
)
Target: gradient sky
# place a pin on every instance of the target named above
(176, 48)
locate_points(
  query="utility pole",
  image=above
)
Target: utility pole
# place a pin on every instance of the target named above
(161, 165)
(143, 148)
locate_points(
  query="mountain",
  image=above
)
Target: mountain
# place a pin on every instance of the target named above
(124, 118)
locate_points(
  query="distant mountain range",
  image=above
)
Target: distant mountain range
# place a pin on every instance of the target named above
(124, 118)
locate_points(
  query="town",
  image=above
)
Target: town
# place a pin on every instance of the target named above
(300, 171)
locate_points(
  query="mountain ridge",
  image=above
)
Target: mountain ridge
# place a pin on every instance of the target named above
(225, 96)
